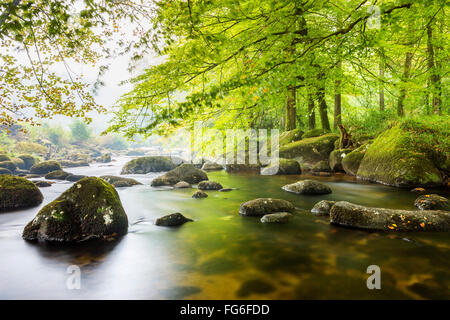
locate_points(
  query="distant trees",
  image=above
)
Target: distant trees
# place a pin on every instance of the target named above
(80, 132)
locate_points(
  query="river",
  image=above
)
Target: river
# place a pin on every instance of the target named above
(222, 255)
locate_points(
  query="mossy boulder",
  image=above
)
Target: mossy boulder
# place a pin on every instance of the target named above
(212, 166)
(278, 217)
(351, 215)
(11, 166)
(209, 185)
(336, 157)
(21, 173)
(263, 206)
(404, 156)
(45, 167)
(145, 165)
(310, 150)
(16, 192)
(73, 164)
(105, 158)
(120, 182)
(57, 175)
(19, 163)
(235, 168)
(290, 136)
(351, 162)
(432, 202)
(90, 209)
(4, 157)
(199, 195)
(28, 160)
(172, 220)
(75, 177)
(314, 133)
(41, 183)
(5, 171)
(185, 172)
(282, 167)
(309, 187)
(182, 185)
(321, 166)
(323, 208)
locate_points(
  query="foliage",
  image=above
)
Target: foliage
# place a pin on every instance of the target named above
(80, 132)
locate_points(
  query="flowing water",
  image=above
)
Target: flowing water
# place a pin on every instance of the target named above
(225, 256)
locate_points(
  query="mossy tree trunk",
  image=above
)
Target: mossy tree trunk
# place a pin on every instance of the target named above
(405, 77)
(323, 108)
(381, 93)
(290, 108)
(434, 79)
(337, 104)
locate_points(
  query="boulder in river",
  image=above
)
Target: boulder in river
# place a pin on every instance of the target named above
(209, 185)
(282, 167)
(41, 183)
(19, 163)
(432, 202)
(120, 182)
(310, 150)
(321, 166)
(57, 175)
(90, 209)
(104, 158)
(309, 187)
(17, 192)
(28, 160)
(290, 136)
(145, 165)
(184, 172)
(322, 208)
(336, 157)
(278, 217)
(212, 166)
(75, 177)
(263, 206)
(351, 215)
(73, 164)
(172, 220)
(45, 167)
(199, 195)
(4, 157)
(351, 162)
(182, 185)
(11, 166)
(5, 171)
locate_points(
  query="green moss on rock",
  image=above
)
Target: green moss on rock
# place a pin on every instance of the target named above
(57, 175)
(16, 192)
(314, 133)
(45, 167)
(282, 167)
(119, 182)
(5, 171)
(4, 157)
(19, 163)
(90, 209)
(351, 162)
(28, 160)
(290, 136)
(395, 159)
(310, 150)
(8, 165)
(336, 157)
(184, 172)
(145, 165)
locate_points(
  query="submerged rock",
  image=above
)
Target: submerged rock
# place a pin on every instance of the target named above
(351, 162)
(16, 192)
(233, 168)
(418, 190)
(322, 208)
(182, 185)
(90, 209)
(120, 182)
(185, 172)
(432, 202)
(145, 165)
(42, 184)
(172, 220)
(57, 175)
(75, 177)
(28, 160)
(351, 215)
(310, 150)
(226, 190)
(402, 157)
(45, 167)
(211, 166)
(307, 187)
(199, 195)
(284, 166)
(209, 185)
(279, 217)
(263, 206)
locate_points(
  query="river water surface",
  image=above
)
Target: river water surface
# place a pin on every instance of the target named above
(225, 256)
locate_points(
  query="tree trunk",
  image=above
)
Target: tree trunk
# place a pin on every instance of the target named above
(311, 111)
(402, 96)
(323, 108)
(337, 104)
(381, 94)
(434, 80)
(290, 108)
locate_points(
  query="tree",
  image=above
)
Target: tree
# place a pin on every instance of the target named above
(80, 132)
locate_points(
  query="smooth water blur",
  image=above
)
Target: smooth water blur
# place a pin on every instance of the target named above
(225, 256)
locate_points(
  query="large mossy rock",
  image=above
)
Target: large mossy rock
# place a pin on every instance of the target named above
(336, 157)
(290, 136)
(73, 164)
(432, 202)
(16, 192)
(19, 163)
(212, 166)
(314, 133)
(351, 215)
(120, 182)
(11, 166)
(209, 185)
(185, 172)
(310, 150)
(308, 187)
(90, 209)
(282, 167)
(105, 158)
(321, 166)
(28, 160)
(45, 167)
(279, 217)
(407, 155)
(263, 206)
(57, 175)
(145, 165)
(323, 208)
(4, 157)
(5, 171)
(351, 162)
(172, 220)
